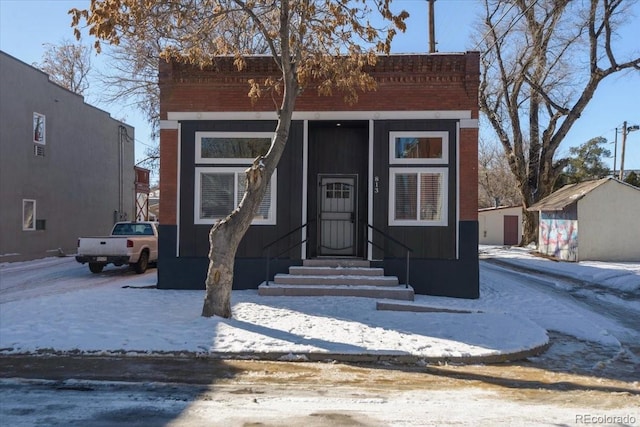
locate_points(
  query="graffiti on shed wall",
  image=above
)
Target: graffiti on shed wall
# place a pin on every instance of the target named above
(559, 235)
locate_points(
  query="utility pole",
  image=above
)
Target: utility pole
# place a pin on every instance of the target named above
(625, 131)
(615, 153)
(432, 27)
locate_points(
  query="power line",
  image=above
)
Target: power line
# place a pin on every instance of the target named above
(489, 30)
(513, 23)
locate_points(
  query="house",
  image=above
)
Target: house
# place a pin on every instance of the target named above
(66, 167)
(592, 220)
(500, 225)
(396, 170)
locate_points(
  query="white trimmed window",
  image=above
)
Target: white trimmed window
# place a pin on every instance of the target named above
(39, 129)
(231, 147)
(415, 147)
(418, 196)
(219, 190)
(28, 215)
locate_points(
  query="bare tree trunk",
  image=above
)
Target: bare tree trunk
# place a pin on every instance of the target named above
(225, 236)
(220, 273)
(530, 228)
(224, 239)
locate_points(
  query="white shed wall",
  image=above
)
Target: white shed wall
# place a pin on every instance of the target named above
(609, 218)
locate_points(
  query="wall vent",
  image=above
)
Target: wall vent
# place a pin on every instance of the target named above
(38, 150)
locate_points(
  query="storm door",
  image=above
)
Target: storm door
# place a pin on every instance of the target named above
(337, 215)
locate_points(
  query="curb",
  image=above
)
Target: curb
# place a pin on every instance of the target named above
(371, 358)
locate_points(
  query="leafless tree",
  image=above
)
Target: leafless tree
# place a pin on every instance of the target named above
(67, 64)
(496, 184)
(542, 62)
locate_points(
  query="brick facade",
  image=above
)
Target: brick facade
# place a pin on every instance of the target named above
(436, 82)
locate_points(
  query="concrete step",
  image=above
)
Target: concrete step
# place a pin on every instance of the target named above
(336, 262)
(351, 280)
(336, 271)
(398, 292)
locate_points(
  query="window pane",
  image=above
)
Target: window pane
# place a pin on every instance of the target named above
(406, 196)
(419, 148)
(28, 214)
(39, 128)
(216, 195)
(265, 204)
(430, 196)
(234, 148)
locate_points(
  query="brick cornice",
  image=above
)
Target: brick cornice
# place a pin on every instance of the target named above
(394, 69)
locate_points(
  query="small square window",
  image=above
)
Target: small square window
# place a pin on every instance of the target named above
(220, 190)
(418, 197)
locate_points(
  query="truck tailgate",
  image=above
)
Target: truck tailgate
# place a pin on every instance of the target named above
(103, 246)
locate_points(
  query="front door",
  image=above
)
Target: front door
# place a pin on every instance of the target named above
(337, 215)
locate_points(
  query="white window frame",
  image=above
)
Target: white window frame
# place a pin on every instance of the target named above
(24, 204)
(43, 140)
(443, 194)
(226, 160)
(271, 220)
(444, 135)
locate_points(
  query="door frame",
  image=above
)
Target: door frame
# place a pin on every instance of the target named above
(338, 148)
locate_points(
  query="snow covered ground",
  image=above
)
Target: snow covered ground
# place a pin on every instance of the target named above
(55, 304)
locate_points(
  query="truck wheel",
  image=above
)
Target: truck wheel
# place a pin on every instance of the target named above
(96, 267)
(143, 263)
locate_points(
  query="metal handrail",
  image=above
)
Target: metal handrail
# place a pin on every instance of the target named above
(397, 242)
(268, 246)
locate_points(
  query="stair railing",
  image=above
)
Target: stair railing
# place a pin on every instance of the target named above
(267, 247)
(397, 242)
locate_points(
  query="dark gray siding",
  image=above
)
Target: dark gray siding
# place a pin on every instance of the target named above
(437, 267)
(194, 238)
(426, 242)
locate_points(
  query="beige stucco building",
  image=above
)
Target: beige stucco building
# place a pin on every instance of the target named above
(500, 226)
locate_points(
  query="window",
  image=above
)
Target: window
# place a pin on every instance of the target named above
(419, 147)
(418, 196)
(220, 190)
(28, 215)
(132, 229)
(338, 190)
(39, 128)
(231, 147)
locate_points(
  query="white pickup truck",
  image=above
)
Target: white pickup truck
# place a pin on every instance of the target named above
(133, 243)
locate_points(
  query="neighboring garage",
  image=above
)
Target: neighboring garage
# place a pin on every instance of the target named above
(500, 226)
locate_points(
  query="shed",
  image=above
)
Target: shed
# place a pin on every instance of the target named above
(593, 220)
(500, 225)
